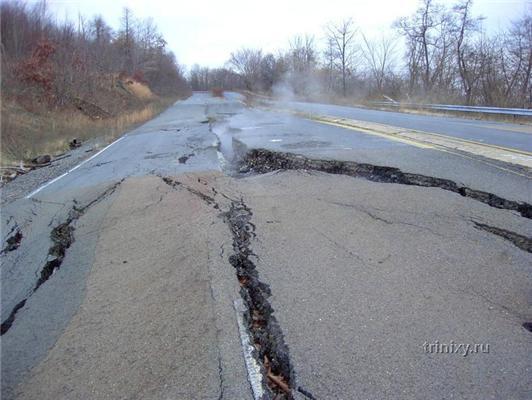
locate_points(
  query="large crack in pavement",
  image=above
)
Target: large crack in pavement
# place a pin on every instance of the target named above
(263, 161)
(62, 237)
(522, 242)
(270, 349)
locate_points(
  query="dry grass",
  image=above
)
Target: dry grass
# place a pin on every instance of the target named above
(25, 135)
(140, 90)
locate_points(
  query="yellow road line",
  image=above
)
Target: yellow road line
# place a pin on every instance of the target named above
(352, 124)
(510, 149)
(384, 135)
(348, 124)
(400, 135)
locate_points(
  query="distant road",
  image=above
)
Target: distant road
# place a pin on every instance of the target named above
(518, 136)
(274, 129)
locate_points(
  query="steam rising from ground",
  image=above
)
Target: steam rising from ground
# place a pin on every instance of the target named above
(308, 85)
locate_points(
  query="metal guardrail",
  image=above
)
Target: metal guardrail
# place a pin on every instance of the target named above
(521, 112)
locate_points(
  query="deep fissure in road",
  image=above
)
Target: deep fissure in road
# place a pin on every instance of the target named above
(263, 161)
(268, 339)
(271, 352)
(62, 237)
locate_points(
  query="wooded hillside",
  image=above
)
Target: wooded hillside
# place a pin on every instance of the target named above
(83, 71)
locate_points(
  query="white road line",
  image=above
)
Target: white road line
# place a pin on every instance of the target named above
(254, 374)
(29, 196)
(221, 160)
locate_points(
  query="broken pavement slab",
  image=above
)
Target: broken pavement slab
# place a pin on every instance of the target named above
(152, 323)
(360, 275)
(363, 274)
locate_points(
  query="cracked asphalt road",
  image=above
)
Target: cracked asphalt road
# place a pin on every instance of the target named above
(366, 279)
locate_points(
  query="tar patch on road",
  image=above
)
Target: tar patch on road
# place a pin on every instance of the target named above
(184, 159)
(13, 242)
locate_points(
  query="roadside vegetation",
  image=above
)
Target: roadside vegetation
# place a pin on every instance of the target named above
(440, 54)
(62, 81)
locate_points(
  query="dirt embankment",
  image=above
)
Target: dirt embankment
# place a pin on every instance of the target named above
(31, 129)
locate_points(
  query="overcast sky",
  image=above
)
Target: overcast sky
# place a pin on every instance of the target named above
(207, 31)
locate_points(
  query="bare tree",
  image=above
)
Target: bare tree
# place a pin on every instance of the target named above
(204, 78)
(127, 38)
(342, 39)
(329, 57)
(247, 62)
(302, 53)
(268, 71)
(300, 61)
(466, 57)
(429, 36)
(379, 58)
(518, 44)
